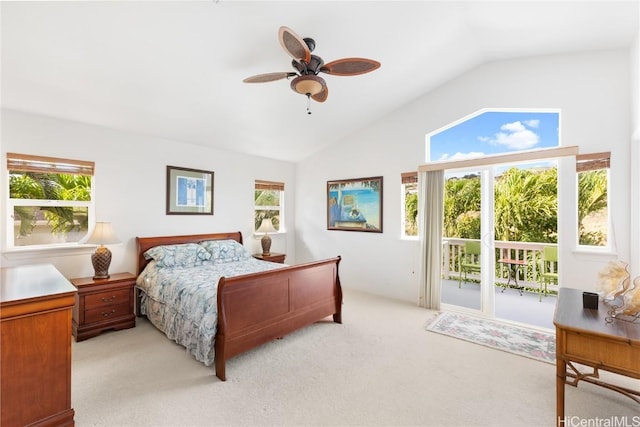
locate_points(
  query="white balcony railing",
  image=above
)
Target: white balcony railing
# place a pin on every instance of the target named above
(528, 274)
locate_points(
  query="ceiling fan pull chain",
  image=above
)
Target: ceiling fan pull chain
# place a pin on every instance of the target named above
(308, 103)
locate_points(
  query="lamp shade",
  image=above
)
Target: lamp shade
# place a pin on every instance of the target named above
(308, 84)
(102, 234)
(266, 226)
(101, 259)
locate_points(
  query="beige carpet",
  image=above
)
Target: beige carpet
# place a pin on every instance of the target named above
(379, 368)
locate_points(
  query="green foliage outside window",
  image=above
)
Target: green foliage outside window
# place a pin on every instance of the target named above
(462, 207)
(411, 209)
(592, 207)
(267, 205)
(525, 203)
(526, 206)
(53, 188)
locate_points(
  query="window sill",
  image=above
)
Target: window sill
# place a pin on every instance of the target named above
(260, 235)
(27, 252)
(590, 251)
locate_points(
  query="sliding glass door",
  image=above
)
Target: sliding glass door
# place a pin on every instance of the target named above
(499, 220)
(468, 247)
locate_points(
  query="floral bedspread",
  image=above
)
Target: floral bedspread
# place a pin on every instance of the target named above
(182, 301)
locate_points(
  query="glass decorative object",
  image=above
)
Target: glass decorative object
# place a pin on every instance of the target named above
(613, 280)
(631, 299)
(621, 296)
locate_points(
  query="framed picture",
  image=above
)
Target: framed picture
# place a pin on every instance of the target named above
(355, 204)
(189, 191)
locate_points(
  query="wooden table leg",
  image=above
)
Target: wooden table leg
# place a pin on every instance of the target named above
(561, 379)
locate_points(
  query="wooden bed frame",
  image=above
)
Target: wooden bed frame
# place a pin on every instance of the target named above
(256, 308)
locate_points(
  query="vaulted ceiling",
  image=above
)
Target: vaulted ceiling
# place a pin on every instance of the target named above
(174, 69)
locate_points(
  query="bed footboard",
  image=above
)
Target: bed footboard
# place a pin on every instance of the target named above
(254, 309)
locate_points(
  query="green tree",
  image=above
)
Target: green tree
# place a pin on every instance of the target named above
(592, 197)
(41, 186)
(411, 211)
(526, 206)
(268, 199)
(525, 203)
(462, 207)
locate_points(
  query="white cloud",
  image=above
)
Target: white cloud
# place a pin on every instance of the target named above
(516, 136)
(532, 123)
(513, 127)
(461, 156)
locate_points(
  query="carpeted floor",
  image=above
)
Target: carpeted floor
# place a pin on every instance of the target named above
(533, 343)
(379, 368)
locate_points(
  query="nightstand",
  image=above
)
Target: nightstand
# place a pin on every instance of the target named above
(103, 304)
(272, 257)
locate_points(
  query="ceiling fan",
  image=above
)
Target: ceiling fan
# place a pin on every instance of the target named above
(307, 81)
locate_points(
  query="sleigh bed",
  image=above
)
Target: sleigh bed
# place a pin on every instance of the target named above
(221, 302)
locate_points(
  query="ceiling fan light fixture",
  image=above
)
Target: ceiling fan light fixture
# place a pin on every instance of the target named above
(308, 84)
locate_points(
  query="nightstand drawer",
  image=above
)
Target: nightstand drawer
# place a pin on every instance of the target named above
(104, 299)
(106, 313)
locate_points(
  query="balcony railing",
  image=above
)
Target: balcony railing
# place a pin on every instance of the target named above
(528, 274)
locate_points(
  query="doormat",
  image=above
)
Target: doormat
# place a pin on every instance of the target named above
(531, 343)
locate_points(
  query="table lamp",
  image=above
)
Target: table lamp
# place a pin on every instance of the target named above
(102, 235)
(266, 226)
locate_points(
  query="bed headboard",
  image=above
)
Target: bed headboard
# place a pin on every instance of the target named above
(145, 243)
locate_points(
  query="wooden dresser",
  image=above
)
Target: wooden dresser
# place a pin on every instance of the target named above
(35, 312)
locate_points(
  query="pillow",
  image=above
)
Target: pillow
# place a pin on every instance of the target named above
(225, 250)
(184, 255)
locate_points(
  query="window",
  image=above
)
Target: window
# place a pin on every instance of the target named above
(269, 203)
(410, 204)
(488, 132)
(593, 205)
(50, 200)
(520, 146)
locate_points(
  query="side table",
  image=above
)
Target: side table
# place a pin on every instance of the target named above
(512, 270)
(103, 304)
(272, 257)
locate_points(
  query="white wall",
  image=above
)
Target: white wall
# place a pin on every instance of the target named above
(592, 91)
(130, 184)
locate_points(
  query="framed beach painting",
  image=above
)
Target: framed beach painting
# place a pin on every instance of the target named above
(189, 191)
(355, 204)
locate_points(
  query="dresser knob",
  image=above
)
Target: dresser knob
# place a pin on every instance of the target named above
(108, 299)
(107, 314)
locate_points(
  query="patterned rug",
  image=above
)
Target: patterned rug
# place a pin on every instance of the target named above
(532, 343)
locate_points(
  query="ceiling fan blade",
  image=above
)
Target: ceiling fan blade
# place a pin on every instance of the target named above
(350, 66)
(322, 96)
(269, 77)
(294, 45)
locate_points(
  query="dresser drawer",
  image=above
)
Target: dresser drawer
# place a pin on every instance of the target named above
(105, 299)
(106, 313)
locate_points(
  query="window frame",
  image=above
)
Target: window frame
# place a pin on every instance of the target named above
(408, 179)
(270, 186)
(50, 165)
(586, 163)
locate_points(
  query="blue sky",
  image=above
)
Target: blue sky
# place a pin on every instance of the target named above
(496, 132)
